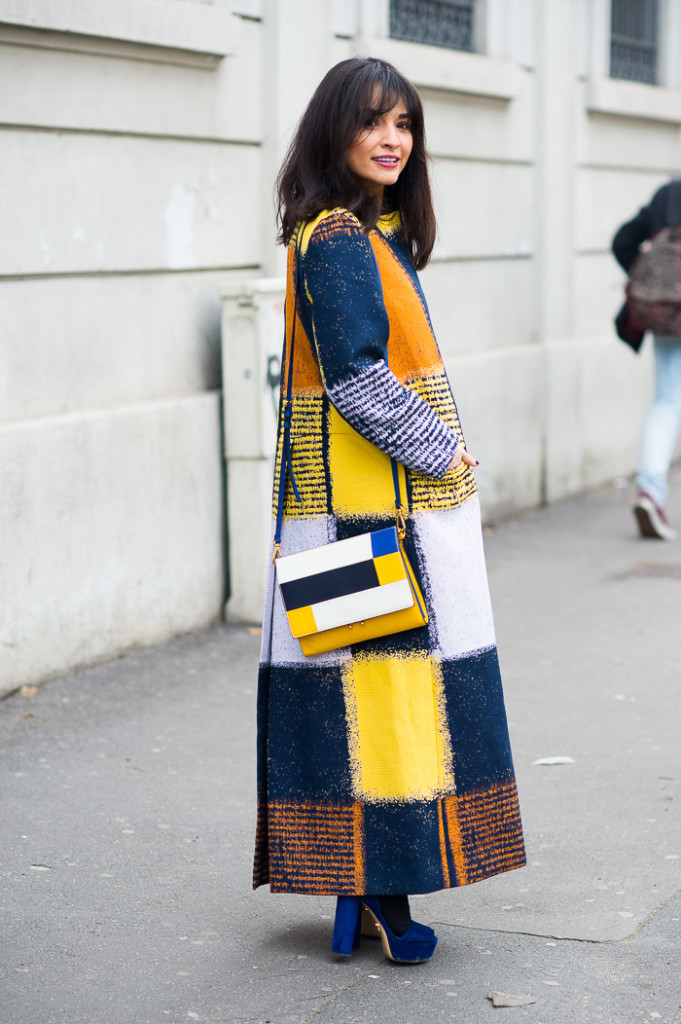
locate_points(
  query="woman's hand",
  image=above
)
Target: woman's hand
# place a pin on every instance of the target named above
(461, 455)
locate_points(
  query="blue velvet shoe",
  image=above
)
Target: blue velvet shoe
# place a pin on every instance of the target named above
(347, 926)
(414, 947)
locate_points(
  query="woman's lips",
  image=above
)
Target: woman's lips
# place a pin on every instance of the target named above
(386, 161)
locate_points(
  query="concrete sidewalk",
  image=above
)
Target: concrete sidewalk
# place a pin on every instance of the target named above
(127, 820)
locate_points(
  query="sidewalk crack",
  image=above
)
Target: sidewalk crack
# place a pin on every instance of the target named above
(347, 988)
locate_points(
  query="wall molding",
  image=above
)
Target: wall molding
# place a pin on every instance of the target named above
(620, 98)
(434, 67)
(169, 31)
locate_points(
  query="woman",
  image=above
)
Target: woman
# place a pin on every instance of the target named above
(384, 768)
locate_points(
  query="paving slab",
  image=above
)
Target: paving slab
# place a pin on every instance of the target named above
(127, 796)
(566, 982)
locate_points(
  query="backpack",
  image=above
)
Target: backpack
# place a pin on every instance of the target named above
(654, 286)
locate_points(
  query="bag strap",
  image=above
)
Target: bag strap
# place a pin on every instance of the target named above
(287, 414)
(674, 204)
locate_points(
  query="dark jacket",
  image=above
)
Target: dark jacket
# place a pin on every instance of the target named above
(626, 244)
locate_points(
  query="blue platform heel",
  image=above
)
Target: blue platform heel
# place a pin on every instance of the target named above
(414, 947)
(347, 926)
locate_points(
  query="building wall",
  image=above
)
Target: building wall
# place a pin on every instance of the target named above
(130, 141)
(139, 143)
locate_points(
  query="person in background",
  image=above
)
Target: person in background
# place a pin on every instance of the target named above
(662, 422)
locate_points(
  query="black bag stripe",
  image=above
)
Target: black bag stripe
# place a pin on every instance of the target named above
(324, 586)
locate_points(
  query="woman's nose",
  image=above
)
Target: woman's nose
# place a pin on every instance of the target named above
(390, 135)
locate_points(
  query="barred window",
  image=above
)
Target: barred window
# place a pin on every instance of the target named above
(449, 23)
(634, 40)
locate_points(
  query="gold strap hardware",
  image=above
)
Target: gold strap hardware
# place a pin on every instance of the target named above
(276, 553)
(401, 524)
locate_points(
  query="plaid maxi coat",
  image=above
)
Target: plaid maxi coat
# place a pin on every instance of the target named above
(383, 767)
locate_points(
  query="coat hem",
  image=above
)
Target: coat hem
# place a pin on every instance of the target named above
(418, 891)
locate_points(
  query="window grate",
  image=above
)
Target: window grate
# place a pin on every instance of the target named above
(449, 23)
(634, 40)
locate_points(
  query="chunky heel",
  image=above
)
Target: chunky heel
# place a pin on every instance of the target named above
(414, 947)
(347, 926)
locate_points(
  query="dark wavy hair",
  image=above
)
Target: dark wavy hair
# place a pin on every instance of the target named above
(315, 176)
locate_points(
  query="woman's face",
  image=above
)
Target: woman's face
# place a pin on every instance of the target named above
(381, 150)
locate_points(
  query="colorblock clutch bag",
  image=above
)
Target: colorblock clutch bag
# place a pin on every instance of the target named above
(350, 590)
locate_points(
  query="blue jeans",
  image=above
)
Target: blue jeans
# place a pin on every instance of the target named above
(661, 425)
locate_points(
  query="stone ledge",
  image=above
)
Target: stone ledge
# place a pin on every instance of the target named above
(634, 100)
(173, 31)
(433, 67)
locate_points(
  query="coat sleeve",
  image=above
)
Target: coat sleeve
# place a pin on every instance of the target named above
(646, 223)
(350, 328)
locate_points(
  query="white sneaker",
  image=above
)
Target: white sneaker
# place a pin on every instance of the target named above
(652, 521)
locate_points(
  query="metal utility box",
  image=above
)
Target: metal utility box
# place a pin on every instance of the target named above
(252, 336)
